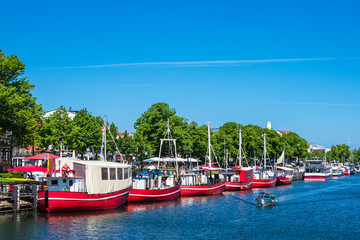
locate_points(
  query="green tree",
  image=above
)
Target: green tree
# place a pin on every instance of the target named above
(357, 156)
(227, 135)
(151, 127)
(57, 126)
(112, 142)
(19, 112)
(198, 140)
(295, 146)
(340, 152)
(253, 141)
(85, 132)
(126, 144)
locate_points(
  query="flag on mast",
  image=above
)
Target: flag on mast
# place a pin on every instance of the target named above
(281, 158)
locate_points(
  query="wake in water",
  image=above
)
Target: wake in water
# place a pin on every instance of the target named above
(251, 203)
(322, 200)
(327, 190)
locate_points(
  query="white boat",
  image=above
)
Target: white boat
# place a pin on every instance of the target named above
(264, 199)
(336, 170)
(239, 177)
(151, 185)
(263, 177)
(205, 180)
(317, 170)
(81, 185)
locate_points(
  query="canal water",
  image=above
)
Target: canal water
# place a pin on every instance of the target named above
(305, 210)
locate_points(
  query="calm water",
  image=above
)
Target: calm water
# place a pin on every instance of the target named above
(328, 210)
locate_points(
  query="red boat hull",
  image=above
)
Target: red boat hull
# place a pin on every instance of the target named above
(283, 180)
(59, 201)
(264, 183)
(317, 178)
(143, 195)
(237, 186)
(201, 190)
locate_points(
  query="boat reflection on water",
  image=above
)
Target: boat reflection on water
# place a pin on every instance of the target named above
(183, 201)
(135, 207)
(193, 200)
(75, 215)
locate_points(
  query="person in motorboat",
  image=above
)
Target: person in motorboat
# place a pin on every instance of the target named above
(265, 199)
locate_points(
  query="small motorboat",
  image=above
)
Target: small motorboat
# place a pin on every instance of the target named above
(265, 199)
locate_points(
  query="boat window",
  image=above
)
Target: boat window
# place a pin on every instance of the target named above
(112, 174)
(54, 182)
(120, 173)
(64, 180)
(126, 173)
(71, 182)
(104, 174)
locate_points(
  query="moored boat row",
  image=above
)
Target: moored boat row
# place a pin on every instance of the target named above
(80, 185)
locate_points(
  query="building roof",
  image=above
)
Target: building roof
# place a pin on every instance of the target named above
(283, 132)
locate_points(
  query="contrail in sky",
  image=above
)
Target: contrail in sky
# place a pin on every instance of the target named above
(302, 103)
(220, 63)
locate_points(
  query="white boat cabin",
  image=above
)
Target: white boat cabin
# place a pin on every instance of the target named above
(153, 180)
(93, 177)
(285, 172)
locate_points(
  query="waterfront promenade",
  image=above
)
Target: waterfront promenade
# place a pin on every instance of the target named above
(306, 210)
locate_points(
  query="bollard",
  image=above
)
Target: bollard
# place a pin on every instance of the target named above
(16, 198)
(34, 195)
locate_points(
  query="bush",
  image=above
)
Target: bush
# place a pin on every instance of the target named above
(12, 175)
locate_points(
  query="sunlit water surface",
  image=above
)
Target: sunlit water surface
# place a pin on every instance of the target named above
(306, 210)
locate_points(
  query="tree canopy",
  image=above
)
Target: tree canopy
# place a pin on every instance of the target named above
(191, 137)
(19, 112)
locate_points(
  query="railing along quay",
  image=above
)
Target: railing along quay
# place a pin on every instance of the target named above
(18, 197)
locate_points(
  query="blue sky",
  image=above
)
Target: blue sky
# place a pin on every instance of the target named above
(294, 63)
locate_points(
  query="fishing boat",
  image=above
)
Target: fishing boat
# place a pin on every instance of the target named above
(204, 180)
(336, 170)
(238, 177)
(317, 170)
(149, 186)
(352, 171)
(79, 185)
(264, 199)
(90, 185)
(346, 170)
(284, 175)
(263, 177)
(153, 185)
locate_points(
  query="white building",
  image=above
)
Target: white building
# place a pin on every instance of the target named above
(268, 125)
(70, 112)
(317, 148)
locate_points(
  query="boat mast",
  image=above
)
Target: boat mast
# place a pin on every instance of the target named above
(103, 144)
(209, 143)
(240, 149)
(265, 151)
(225, 157)
(169, 139)
(105, 137)
(284, 156)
